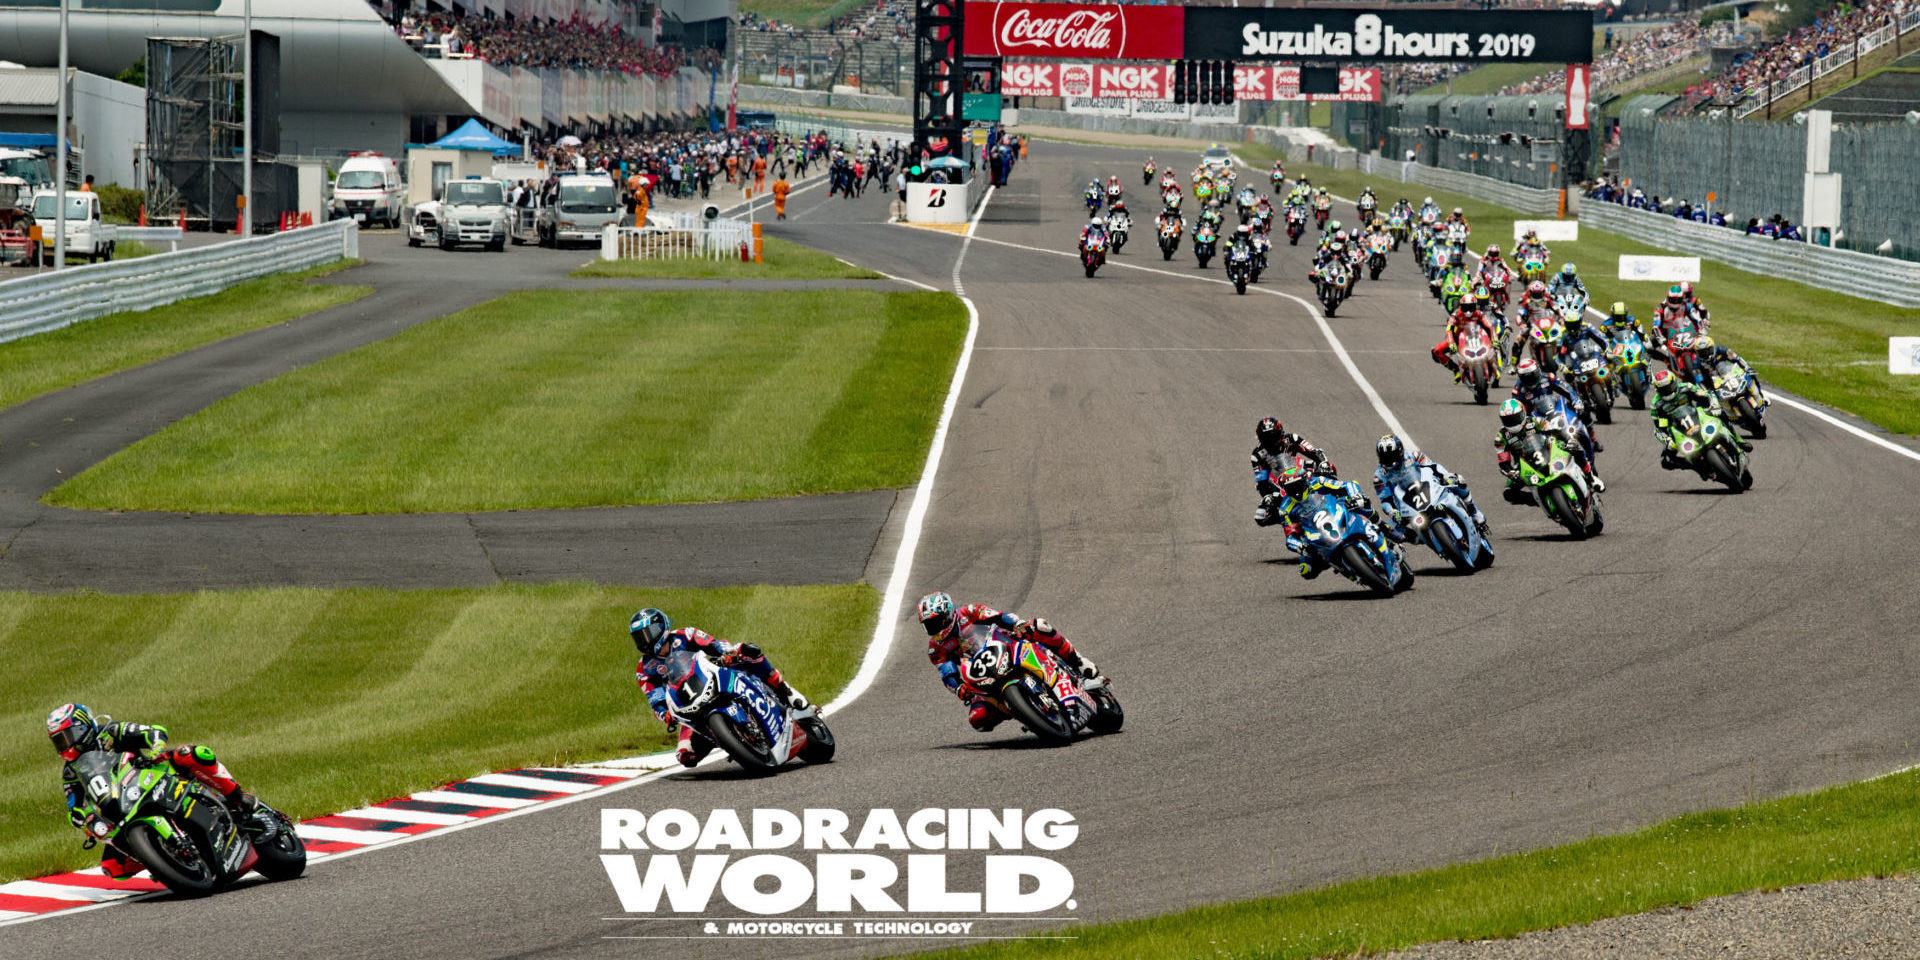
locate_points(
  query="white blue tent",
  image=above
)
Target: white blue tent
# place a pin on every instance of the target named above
(472, 135)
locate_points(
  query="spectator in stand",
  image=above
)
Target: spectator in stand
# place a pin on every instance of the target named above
(1780, 59)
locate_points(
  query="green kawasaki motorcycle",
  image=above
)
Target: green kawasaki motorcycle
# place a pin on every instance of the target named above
(185, 835)
(1705, 442)
(1550, 477)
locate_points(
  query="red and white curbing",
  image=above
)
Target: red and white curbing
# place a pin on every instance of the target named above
(423, 812)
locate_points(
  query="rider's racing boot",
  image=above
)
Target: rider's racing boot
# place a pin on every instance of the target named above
(789, 696)
(1081, 665)
(1670, 462)
(1310, 567)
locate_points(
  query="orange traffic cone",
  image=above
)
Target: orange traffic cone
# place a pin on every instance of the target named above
(143, 214)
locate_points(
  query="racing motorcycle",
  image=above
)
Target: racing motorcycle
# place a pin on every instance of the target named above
(1243, 204)
(1740, 394)
(1628, 356)
(1366, 206)
(1378, 246)
(1260, 248)
(1352, 544)
(1240, 267)
(1203, 190)
(1670, 324)
(1296, 223)
(186, 836)
(1171, 226)
(1146, 174)
(1552, 479)
(1437, 517)
(1496, 278)
(1533, 267)
(1333, 284)
(1170, 198)
(1027, 682)
(1705, 442)
(1205, 242)
(1546, 333)
(1591, 378)
(1093, 252)
(1322, 209)
(736, 711)
(1279, 177)
(1479, 361)
(1113, 193)
(1119, 224)
(1093, 200)
(1397, 228)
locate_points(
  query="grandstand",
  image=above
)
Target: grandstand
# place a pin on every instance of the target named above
(351, 79)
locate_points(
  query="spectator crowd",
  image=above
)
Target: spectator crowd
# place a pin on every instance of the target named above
(1642, 52)
(577, 43)
(1776, 227)
(1779, 59)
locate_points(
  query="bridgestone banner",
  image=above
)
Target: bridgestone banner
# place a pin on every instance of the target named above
(1318, 33)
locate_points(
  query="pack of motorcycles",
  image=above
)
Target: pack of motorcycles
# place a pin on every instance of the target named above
(194, 844)
(1546, 474)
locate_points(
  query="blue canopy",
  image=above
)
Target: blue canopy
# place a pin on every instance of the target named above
(473, 136)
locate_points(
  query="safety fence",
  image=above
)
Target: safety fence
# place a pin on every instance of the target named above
(1858, 274)
(1497, 192)
(1862, 45)
(49, 301)
(685, 235)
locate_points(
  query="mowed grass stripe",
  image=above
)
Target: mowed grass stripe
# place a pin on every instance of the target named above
(570, 399)
(329, 700)
(43, 363)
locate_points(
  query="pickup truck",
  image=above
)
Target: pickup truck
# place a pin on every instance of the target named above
(87, 235)
(473, 211)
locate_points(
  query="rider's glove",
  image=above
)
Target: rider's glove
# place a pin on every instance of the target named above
(686, 756)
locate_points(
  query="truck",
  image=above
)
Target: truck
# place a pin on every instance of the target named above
(580, 213)
(367, 189)
(473, 210)
(87, 235)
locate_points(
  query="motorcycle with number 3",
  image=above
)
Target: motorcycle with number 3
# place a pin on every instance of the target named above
(186, 836)
(1551, 479)
(1031, 685)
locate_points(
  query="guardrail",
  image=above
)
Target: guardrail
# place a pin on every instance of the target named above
(689, 237)
(51, 300)
(1498, 192)
(167, 235)
(1844, 271)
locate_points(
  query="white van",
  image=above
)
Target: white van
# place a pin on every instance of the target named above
(367, 188)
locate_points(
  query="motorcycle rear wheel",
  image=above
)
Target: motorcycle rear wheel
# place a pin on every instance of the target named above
(1019, 702)
(753, 758)
(183, 879)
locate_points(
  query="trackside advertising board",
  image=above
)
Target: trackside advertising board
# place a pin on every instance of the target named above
(1318, 33)
(1144, 83)
(1107, 31)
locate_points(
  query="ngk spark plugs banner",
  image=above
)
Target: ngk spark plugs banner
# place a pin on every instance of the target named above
(1316, 33)
(1126, 90)
(1078, 30)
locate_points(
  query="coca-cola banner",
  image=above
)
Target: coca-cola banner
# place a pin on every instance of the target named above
(1078, 30)
(1103, 88)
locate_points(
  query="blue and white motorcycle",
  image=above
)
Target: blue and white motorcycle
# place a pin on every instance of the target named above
(1436, 516)
(1352, 544)
(736, 712)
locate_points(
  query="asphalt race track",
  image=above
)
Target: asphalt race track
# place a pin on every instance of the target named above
(1281, 733)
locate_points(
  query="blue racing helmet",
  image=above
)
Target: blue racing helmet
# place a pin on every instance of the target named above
(649, 628)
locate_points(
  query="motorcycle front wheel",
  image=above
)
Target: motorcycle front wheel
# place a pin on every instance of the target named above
(1356, 559)
(1050, 728)
(745, 751)
(1562, 510)
(285, 856)
(1723, 470)
(183, 871)
(1450, 546)
(819, 748)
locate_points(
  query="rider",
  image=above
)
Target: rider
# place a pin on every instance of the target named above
(1094, 196)
(656, 639)
(1577, 330)
(1693, 300)
(1397, 472)
(1284, 506)
(1429, 210)
(1491, 259)
(1532, 383)
(1530, 247)
(947, 625)
(1275, 451)
(75, 730)
(1096, 226)
(1671, 393)
(1619, 320)
(1515, 425)
(1113, 187)
(1367, 203)
(1457, 227)
(1567, 281)
(1471, 313)
(1333, 247)
(1402, 209)
(1242, 237)
(1211, 214)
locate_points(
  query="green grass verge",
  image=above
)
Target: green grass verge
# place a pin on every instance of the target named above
(1822, 345)
(783, 260)
(399, 690)
(61, 358)
(133, 250)
(1858, 830)
(575, 399)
